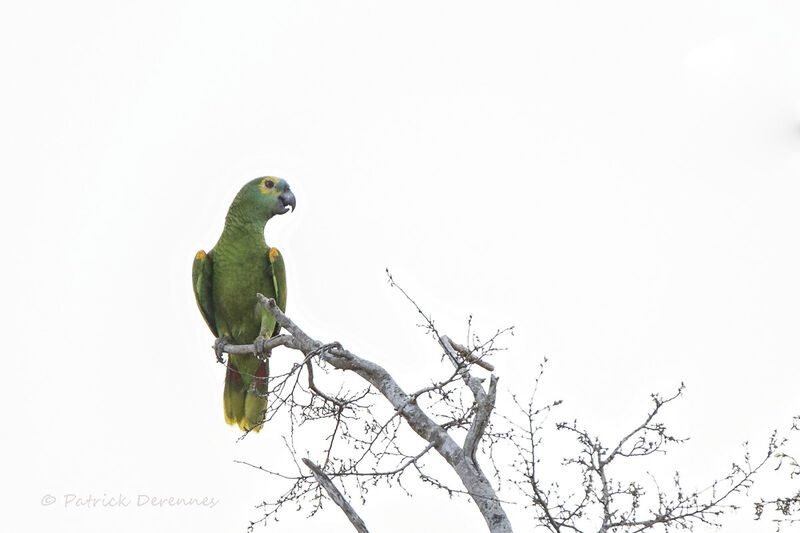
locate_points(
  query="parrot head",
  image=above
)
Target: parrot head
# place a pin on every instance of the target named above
(265, 197)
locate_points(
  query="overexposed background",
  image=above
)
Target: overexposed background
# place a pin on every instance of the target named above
(618, 180)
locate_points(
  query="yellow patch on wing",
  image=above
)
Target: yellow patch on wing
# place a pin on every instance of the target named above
(273, 254)
(200, 255)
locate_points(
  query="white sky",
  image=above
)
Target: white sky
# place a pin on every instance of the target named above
(619, 180)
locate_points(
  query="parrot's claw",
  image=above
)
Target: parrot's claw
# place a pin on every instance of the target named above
(259, 347)
(219, 347)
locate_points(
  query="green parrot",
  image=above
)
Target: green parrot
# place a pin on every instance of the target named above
(226, 280)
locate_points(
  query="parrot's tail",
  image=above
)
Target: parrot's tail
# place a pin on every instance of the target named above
(245, 399)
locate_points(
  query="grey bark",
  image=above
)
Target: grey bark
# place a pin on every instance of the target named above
(463, 462)
(325, 482)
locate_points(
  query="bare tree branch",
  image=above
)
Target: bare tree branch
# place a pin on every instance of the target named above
(785, 509)
(608, 504)
(458, 402)
(274, 342)
(476, 483)
(336, 496)
(469, 355)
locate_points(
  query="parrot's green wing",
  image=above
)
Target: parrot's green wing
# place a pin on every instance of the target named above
(279, 281)
(202, 272)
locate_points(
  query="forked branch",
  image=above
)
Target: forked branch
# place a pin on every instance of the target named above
(461, 459)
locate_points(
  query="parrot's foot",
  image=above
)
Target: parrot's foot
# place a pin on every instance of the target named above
(260, 348)
(219, 347)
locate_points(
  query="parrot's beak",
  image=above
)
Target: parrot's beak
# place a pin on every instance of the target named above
(287, 199)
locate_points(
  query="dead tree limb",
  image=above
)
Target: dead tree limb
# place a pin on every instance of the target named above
(475, 482)
(484, 402)
(325, 482)
(440, 410)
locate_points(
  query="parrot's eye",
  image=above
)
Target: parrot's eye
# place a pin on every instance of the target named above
(269, 184)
